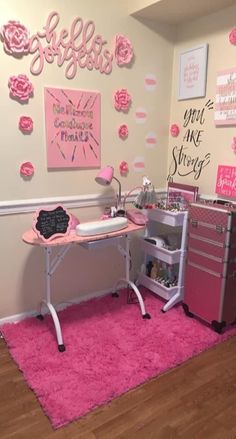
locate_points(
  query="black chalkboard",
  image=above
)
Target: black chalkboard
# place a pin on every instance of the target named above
(52, 223)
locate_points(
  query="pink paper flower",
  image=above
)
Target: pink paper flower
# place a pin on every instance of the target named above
(123, 131)
(124, 167)
(26, 124)
(74, 221)
(15, 38)
(232, 37)
(20, 87)
(174, 130)
(233, 145)
(122, 100)
(123, 50)
(27, 169)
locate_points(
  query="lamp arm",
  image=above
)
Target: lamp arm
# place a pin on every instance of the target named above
(119, 191)
(130, 192)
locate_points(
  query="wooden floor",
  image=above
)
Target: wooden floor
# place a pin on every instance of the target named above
(195, 400)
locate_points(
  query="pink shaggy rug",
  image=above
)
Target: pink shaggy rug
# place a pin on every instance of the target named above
(110, 349)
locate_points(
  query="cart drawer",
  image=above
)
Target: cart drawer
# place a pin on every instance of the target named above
(203, 293)
(209, 262)
(209, 222)
(205, 245)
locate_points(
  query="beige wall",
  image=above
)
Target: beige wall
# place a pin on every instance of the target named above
(22, 266)
(153, 54)
(212, 29)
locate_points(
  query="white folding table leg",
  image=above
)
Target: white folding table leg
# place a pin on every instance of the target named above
(49, 270)
(126, 253)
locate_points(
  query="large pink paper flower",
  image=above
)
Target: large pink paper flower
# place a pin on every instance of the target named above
(27, 169)
(122, 100)
(123, 131)
(20, 87)
(123, 50)
(232, 37)
(174, 130)
(26, 124)
(15, 38)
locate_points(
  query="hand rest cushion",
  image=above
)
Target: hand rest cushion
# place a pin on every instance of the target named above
(137, 217)
(101, 227)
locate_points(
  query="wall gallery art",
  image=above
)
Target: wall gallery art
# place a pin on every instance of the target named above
(193, 72)
(72, 119)
(225, 106)
(226, 181)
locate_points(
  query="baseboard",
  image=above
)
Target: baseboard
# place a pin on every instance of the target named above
(59, 306)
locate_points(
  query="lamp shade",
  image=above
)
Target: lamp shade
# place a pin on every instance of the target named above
(105, 176)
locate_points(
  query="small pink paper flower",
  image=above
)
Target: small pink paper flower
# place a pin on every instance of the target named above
(27, 169)
(233, 145)
(123, 50)
(124, 167)
(20, 87)
(174, 130)
(123, 131)
(232, 37)
(122, 100)
(26, 124)
(15, 38)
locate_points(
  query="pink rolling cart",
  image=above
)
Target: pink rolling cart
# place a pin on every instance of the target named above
(210, 276)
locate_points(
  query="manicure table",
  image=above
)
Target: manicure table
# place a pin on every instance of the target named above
(119, 238)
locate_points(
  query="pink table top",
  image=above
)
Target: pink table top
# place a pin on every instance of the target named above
(30, 237)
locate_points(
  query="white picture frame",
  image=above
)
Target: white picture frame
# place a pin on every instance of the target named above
(225, 111)
(193, 72)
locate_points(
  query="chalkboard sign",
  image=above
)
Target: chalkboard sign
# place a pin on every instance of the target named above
(50, 223)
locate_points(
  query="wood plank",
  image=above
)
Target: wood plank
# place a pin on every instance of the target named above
(198, 396)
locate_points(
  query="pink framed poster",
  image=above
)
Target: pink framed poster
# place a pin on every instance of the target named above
(72, 120)
(226, 181)
(225, 105)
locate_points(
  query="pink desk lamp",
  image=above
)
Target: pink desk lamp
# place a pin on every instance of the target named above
(105, 177)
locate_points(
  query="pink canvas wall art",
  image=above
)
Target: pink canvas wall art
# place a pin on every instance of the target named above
(72, 119)
(226, 181)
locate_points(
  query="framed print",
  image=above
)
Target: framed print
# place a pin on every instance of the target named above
(72, 119)
(226, 181)
(225, 108)
(193, 72)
